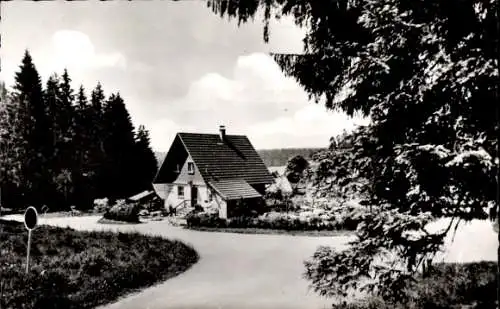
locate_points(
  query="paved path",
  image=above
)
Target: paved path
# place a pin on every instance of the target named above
(253, 271)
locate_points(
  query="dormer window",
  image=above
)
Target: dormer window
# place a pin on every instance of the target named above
(191, 168)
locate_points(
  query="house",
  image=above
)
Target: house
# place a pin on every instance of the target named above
(218, 172)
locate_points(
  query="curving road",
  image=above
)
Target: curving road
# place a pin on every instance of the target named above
(253, 271)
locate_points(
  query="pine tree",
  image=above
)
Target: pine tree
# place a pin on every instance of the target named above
(66, 115)
(66, 159)
(35, 130)
(81, 99)
(97, 98)
(81, 127)
(84, 189)
(58, 100)
(146, 164)
(119, 148)
(95, 129)
(52, 103)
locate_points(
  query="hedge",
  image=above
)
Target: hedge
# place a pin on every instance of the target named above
(275, 221)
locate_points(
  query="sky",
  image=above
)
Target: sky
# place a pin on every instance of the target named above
(178, 67)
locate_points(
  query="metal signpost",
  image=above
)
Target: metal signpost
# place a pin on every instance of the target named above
(30, 221)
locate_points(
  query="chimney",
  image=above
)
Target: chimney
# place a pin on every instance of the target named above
(222, 130)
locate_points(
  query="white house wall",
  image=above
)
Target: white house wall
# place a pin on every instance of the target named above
(174, 200)
(169, 192)
(184, 177)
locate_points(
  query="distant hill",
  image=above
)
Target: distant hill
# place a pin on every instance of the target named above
(279, 157)
(271, 157)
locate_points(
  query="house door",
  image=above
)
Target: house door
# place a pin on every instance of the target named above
(194, 195)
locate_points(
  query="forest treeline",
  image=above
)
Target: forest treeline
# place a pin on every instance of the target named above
(280, 156)
(61, 146)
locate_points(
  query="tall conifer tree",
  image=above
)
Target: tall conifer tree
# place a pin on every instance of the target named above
(95, 129)
(35, 130)
(146, 160)
(119, 148)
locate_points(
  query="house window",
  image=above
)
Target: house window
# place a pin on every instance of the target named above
(178, 168)
(191, 168)
(180, 192)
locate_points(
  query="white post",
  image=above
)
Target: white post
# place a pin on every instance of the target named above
(28, 252)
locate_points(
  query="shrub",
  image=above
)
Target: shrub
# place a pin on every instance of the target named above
(123, 212)
(447, 286)
(203, 219)
(458, 284)
(273, 220)
(101, 205)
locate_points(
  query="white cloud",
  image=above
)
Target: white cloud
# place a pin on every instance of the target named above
(311, 126)
(75, 51)
(257, 81)
(162, 133)
(210, 90)
(68, 49)
(258, 100)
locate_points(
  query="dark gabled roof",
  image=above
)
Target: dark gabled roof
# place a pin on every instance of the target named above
(234, 189)
(233, 158)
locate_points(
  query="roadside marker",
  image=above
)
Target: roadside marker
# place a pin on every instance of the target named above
(30, 222)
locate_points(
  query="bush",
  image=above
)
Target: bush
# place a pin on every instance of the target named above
(124, 212)
(458, 284)
(101, 205)
(447, 286)
(273, 220)
(71, 269)
(202, 219)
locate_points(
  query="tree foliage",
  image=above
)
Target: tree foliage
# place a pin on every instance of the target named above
(119, 146)
(59, 149)
(425, 73)
(143, 153)
(295, 168)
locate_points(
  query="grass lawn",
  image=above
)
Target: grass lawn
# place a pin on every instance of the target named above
(270, 231)
(73, 269)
